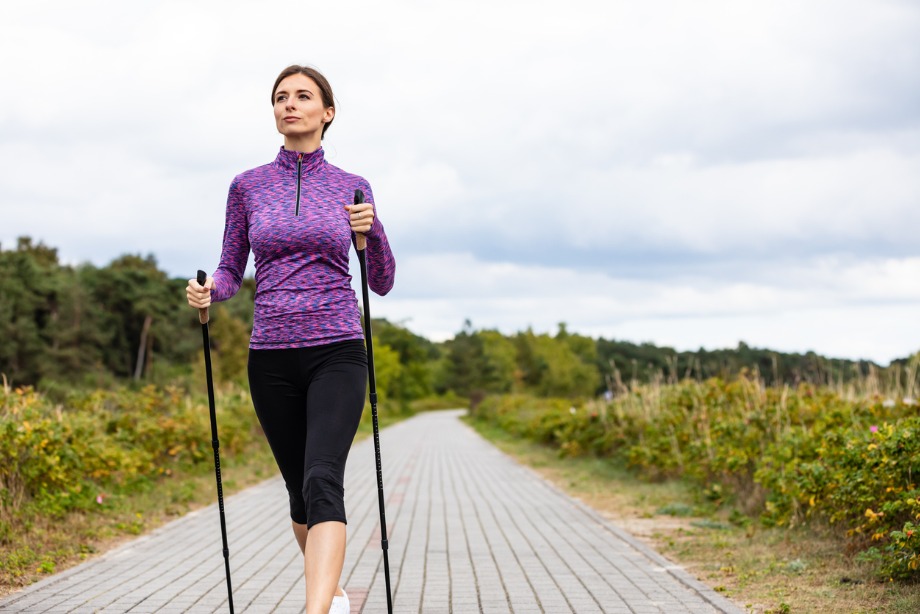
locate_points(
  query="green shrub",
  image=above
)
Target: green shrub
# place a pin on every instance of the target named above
(903, 552)
(56, 458)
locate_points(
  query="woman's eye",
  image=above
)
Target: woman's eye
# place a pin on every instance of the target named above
(304, 97)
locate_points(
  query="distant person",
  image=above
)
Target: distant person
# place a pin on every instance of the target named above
(307, 360)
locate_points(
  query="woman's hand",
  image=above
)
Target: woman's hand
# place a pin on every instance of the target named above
(199, 296)
(361, 217)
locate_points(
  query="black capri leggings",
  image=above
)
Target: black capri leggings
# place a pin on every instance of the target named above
(309, 402)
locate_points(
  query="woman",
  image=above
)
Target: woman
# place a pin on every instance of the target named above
(307, 361)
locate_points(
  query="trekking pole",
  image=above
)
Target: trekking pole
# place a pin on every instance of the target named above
(203, 318)
(360, 244)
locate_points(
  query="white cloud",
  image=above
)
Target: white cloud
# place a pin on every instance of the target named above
(758, 157)
(753, 205)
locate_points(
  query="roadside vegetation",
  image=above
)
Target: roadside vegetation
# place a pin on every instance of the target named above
(777, 484)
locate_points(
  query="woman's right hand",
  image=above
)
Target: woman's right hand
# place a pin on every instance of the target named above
(199, 296)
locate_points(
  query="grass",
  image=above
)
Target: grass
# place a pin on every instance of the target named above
(762, 570)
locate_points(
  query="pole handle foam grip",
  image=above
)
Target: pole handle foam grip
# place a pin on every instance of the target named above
(360, 241)
(202, 313)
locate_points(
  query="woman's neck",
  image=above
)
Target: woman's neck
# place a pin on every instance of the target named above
(306, 143)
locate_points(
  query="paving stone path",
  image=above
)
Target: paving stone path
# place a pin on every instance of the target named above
(470, 531)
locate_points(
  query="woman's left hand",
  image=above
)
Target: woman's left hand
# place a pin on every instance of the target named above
(361, 217)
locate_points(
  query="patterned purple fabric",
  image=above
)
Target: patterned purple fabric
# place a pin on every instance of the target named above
(303, 290)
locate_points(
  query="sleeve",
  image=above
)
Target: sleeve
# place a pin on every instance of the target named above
(235, 253)
(381, 266)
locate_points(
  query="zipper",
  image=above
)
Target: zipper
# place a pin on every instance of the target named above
(299, 167)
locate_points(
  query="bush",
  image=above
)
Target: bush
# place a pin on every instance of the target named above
(56, 458)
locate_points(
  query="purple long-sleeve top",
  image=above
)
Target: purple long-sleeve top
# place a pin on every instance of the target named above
(301, 238)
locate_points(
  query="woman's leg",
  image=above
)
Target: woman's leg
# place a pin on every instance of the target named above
(322, 565)
(279, 396)
(335, 401)
(300, 534)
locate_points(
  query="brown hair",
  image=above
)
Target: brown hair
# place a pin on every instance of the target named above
(325, 89)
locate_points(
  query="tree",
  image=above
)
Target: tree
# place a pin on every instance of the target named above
(416, 356)
(498, 372)
(132, 289)
(464, 362)
(29, 302)
(387, 370)
(562, 372)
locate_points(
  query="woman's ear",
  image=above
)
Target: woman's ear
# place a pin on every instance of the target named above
(328, 115)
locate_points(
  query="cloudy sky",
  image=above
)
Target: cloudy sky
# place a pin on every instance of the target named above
(686, 173)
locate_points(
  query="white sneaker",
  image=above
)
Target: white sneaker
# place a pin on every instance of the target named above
(340, 604)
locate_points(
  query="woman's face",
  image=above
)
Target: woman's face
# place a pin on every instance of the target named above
(299, 109)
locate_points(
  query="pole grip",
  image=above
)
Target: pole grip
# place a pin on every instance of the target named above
(360, 241)
(202, 313)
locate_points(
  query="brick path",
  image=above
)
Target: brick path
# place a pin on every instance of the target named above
(470, 531)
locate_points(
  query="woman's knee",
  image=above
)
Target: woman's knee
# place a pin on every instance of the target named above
(323, 493)
(298, 509)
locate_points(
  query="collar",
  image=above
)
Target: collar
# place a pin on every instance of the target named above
(310, 162)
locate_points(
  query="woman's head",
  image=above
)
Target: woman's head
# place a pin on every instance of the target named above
(302, 101)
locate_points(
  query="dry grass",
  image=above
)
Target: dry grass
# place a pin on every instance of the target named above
(762, 570)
